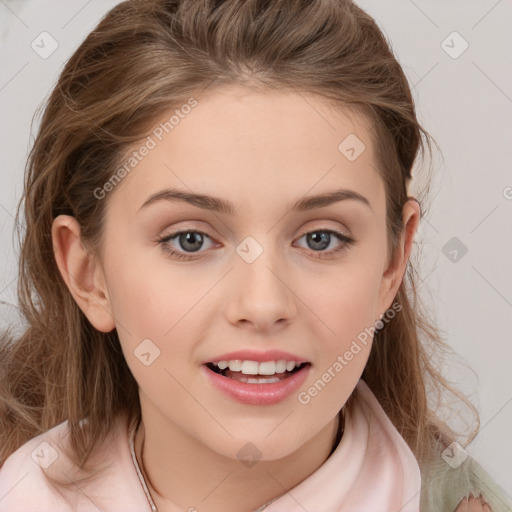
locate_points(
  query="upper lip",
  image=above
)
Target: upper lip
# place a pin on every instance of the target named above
(251, 355)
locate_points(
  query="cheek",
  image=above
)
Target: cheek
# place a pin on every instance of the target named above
(153, 301)
(344, 301)
(154, 321)
(148, 294)
(137, 301)
(344, 340)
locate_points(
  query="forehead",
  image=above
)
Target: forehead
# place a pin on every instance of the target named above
(253, 148)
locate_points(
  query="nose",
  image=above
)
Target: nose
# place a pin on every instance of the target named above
(261, 296)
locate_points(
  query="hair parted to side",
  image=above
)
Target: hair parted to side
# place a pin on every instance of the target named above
(144, 58)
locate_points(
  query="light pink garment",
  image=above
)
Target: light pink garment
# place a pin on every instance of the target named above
(371, 470)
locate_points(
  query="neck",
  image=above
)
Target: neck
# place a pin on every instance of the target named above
(184, 474)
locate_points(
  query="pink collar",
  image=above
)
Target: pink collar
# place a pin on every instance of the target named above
(372, 468)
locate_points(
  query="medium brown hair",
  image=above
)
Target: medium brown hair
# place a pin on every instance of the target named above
(144, 58)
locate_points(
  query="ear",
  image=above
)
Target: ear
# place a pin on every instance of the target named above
(82, 273)
(393, 276)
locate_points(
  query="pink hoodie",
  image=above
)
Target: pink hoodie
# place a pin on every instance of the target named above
(371, 470)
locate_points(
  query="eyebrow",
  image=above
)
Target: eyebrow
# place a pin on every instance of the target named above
(217, 204)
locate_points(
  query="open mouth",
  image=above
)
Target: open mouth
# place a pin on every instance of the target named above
(251, 376)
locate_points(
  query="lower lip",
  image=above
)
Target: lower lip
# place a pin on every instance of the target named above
(258, 394)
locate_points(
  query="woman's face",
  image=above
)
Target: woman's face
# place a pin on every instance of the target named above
(270, 277)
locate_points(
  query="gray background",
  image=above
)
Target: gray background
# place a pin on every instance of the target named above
(464, 101)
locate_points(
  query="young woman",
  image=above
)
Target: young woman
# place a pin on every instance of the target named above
(215, 275)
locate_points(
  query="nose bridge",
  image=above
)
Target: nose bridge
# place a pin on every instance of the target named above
(262, 292)
(259, 261)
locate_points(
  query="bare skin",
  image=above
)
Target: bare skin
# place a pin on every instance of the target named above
(262, 152)
(473, 504)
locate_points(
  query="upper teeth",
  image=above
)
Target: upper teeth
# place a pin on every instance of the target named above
(255, 368)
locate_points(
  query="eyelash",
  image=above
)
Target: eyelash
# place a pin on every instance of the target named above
(346, 242)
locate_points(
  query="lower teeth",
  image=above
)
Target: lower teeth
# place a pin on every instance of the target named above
(267, 380)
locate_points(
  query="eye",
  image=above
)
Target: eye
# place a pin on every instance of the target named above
(191, 241)
(320, 239)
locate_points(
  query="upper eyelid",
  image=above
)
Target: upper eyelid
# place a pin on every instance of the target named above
(344, 229)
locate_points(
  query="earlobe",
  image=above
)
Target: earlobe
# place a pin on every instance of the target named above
(394, 274)
(82, 273)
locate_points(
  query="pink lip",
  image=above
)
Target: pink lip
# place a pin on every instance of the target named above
(260, 357)
(257, 394)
